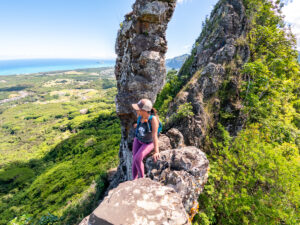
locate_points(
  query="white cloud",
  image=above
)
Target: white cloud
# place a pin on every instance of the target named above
(188, 47)
(182, 1)
(292, 17)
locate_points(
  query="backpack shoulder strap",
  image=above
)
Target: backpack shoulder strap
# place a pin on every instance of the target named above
(138, 124)
(159, 123)
(139, 120)
(149, 120)
(150, 117)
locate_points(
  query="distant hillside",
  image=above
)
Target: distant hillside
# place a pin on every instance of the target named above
(176, 62)
(51, 124)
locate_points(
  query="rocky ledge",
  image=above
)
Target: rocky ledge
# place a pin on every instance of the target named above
(185, 170)
(169, 197)
(142, 201)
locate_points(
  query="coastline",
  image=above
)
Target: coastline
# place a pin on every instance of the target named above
(37, 66)
(11, 83)
(62, 72)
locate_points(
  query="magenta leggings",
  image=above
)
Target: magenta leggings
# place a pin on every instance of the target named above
(139, 151)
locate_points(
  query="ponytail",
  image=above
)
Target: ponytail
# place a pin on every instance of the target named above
(154, 112)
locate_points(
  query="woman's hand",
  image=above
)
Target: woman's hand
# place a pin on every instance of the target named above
(134, 125)
(156, 156)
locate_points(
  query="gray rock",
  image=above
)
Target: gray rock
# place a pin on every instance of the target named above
(185, 170)
(83, 111)
(111, 173)
(153, 11)
(89, 142)
(164, 142)
(176, 138)
(139, 202)
(211, 79)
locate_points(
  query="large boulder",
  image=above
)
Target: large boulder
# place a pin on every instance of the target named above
(185, 170)
(139, 202)
(164, 142)
(176, 138)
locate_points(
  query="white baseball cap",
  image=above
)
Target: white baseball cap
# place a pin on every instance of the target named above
(143, 104)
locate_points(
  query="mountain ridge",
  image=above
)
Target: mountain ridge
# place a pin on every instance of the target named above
(176, 62)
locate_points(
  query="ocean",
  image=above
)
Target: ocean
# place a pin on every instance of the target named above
(27, 66)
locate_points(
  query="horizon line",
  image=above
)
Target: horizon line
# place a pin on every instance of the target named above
(93, 58)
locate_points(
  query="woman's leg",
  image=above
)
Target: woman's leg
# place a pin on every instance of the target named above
(143, 151)
(135, 147)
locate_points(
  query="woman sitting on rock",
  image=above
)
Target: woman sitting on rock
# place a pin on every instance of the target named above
(145, 139)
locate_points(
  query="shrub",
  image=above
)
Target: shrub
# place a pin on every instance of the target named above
(184, 110)
(251, 181)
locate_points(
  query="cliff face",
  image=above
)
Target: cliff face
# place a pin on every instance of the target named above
(214, 65)
(140, 68)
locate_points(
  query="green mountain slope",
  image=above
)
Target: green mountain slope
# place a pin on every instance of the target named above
(176, 62)
(253, 177)
(54, 159)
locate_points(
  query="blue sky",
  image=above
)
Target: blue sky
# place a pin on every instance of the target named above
(87, 28)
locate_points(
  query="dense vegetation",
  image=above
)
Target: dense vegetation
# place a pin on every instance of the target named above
(254, 176)
(168, 93)
(54, 159)
(51, 107)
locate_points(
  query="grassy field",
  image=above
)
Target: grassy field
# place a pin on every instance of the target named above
(57, 143)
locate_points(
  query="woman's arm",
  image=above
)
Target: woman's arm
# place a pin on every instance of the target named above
(154, 125)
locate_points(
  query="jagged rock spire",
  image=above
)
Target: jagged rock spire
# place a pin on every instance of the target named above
(218, 55)
(140, 67)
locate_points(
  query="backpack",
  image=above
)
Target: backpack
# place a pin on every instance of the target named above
(149, 124)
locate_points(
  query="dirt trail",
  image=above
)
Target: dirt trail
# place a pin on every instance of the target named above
(23, 94)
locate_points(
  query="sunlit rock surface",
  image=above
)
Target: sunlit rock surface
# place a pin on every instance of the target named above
(139, 202)
(185, 170)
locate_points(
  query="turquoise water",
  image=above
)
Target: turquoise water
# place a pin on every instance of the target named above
(26, 66)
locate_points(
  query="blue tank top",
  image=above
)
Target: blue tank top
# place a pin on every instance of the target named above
(144, 133)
